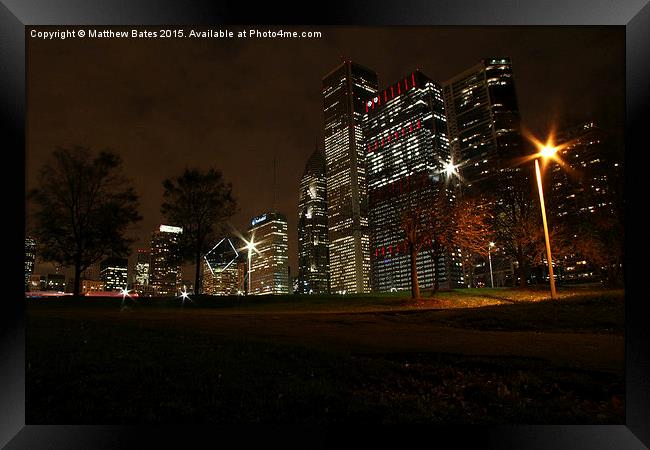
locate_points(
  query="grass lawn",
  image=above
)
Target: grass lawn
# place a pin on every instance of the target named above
(307, 359)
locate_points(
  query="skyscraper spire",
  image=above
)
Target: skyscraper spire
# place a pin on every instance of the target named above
(275, 184)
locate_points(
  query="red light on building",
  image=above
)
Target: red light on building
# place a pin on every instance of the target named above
(410, 127)
(413, 78)
(385, 96)
(406, 84)
(399, 89)
(418, 123)
(366, 107)
(392, 93)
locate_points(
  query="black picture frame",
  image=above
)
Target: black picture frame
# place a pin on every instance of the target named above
(634, 15)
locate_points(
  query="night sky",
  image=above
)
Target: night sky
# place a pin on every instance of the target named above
(236, 104)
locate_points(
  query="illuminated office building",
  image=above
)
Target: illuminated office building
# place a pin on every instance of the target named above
(30, 258)
(312, 228)
(220, 271)
(344, 90)
(269, 273)
(483, 121)
(406, 151)
(591, 183)
(142, 264)
(165, 276)
(113, 273)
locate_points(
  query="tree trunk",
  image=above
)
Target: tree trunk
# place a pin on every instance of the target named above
(522, 270)
(471, 274)
(76, 290)
(197, 273)
(436, 284)
(76, 285)
(415, 287)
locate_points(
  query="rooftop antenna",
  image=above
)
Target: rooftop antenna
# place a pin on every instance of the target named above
(275, 184)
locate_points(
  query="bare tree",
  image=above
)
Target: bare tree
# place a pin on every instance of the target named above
(200, 203)
(438, 227)
(85, 206)
(473, 232)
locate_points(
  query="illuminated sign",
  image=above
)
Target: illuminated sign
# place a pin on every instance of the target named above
(257, 220)
(170, 229)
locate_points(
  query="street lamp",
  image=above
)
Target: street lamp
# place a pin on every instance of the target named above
(490, 260)
(450, 169)
(546, 151)
(548, 243)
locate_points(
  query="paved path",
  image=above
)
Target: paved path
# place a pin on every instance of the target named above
(368, 333)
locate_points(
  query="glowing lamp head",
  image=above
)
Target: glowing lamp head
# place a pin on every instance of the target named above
(492, 244)
(547, 151)
(450, 168)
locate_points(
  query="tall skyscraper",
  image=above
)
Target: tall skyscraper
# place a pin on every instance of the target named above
(30, 258)
(269, 272)
(483, 121)
(142, 267)
(165, 274)
(113, 272)
(589, 185)
(407, 148)
(344, 90)
(593, 178)
(220, 273)
(313, 249)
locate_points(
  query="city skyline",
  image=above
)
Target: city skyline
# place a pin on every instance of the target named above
(150, 109)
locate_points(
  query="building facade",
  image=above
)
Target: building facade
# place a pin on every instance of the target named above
(344, 92)
(269, 270)
(142, 267)
(219, 268)
(313, 251)
(92, 286)
(407, 149)
(165, 264)
(113, 273)
(30, 259)
(483, 121)
(589, 184)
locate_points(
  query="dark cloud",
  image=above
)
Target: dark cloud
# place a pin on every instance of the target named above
(165, 105)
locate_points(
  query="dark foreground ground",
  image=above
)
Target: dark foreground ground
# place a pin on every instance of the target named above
(514, 359)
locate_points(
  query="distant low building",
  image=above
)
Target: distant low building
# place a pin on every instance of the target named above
(90, 286)
(143, 290)
(36, 282)
(54, 282)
